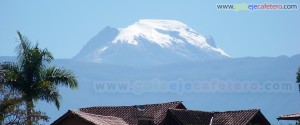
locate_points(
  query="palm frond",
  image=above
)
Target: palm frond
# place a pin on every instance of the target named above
(23, 48)
(60, 76)
(11, 75)
(57, 98)
(48, 92)
(32, 58)
(47, 56)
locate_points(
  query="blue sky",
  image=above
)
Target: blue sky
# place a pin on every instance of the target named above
(64, 27)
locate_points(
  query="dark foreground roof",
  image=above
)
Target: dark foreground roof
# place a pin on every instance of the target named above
(91, 119)
(295, 116)
(240, 117)
(190, 117)
(130, 114)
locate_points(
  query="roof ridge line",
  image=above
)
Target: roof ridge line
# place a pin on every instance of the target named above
(132, 105)
(191, 110)
(86, 113)
(236, 110)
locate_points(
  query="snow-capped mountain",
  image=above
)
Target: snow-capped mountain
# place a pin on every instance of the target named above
(150, 42)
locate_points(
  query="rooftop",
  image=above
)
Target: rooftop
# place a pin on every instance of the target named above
(295, 116)
(174, 113)
(131, 113)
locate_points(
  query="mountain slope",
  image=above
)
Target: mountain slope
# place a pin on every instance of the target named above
(150, 42)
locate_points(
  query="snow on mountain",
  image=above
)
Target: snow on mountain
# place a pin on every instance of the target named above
(150, 42)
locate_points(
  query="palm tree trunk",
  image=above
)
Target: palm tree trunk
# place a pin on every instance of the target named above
(29, 107)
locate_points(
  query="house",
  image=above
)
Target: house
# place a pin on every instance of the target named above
(170, 113)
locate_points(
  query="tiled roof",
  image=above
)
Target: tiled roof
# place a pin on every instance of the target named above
(240, 117)
(91, 118)
(130, 114)
(295, 116)
(191, 117)
(173, 113)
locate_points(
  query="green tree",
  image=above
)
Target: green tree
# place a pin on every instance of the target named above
(33, 79)
(9, 99)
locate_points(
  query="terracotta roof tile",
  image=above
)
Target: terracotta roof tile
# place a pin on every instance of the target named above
(92, 118)
(191, 117)
(130, 114)
(164, 113)
(240, 117)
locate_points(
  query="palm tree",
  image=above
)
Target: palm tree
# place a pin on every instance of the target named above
(31, 77)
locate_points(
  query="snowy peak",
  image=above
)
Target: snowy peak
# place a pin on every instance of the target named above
(165, 33)
(149, 29)
(150, 42)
